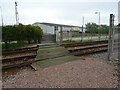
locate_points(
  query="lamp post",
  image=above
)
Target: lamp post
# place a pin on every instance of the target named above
(98, 24)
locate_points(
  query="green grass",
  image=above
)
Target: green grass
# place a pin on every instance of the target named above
(11, 46)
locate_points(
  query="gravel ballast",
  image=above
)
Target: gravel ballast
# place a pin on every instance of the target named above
(84, 73)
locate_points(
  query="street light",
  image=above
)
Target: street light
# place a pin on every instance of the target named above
(99, 24)
(1, 15)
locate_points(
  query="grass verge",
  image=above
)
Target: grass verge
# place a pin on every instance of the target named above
(11, 46)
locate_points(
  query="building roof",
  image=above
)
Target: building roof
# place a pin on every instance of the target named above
(54, 24)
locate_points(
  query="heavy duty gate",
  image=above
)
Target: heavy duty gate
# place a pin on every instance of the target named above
(113, 41)
(114, 45)
(48, 38)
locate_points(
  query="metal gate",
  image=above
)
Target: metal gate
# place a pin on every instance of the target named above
(114, 45)
(114, 40)
(48, 38)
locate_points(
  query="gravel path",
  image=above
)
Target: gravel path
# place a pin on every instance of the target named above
(85, 73)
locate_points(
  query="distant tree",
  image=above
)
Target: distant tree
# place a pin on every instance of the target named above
(20, 24)
(8, 34)
(38, 33)
(21, 33)
(29, 33)
(4, 34)
(104, 29)
(92, 28)
(33, 33)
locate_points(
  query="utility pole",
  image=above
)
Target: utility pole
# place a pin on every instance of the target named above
(82, 29)
(16, 14)
(111, 32)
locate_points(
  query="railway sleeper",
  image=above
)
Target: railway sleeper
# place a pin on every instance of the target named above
(85, 44)
(86, 48)
(19, 54)
(18, 64)
(89, 51)
(18, 58)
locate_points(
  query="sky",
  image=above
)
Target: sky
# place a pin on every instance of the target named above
(69, 12)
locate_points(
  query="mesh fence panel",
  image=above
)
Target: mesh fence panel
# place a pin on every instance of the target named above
(115, 54)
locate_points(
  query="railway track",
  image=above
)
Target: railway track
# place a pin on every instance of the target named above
(88, 47)
(19, 57)
(85, 43)
(26, 56)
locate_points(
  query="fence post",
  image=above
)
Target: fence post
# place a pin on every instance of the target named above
(55, 32)
(110, 40)
(61, 34)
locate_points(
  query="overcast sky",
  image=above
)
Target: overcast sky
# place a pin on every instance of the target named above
(59, 11)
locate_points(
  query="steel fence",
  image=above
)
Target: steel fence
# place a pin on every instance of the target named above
(115, 53)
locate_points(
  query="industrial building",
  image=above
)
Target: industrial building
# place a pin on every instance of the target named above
(61, 32)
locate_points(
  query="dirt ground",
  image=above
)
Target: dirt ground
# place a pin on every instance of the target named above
(84, 73)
